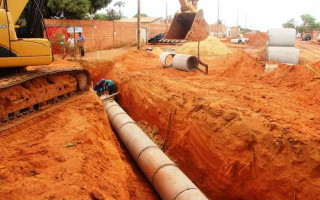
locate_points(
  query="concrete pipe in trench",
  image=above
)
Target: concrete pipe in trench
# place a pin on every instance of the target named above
(168, 180)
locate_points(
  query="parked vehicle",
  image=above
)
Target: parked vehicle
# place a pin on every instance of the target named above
(306, 37)
(156, 39)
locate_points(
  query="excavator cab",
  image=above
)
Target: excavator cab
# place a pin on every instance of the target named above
(21, 34)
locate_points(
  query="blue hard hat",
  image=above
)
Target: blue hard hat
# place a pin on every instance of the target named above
(102, 81)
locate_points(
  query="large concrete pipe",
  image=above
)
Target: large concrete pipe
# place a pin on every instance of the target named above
(288, 55)
(185, 62)
(168, 180)
(285, 37)
(166, 59)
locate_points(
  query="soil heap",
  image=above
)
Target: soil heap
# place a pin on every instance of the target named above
(157, 51)
(257, 39)
(212, 46)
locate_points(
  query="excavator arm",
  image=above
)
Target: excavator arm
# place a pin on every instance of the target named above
(188, 24)
(189, 5)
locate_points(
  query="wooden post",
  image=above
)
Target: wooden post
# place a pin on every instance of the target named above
(139, 26)
(238, 18)
(167, 15)
(114, 35)
(92, 34)
(75, 43)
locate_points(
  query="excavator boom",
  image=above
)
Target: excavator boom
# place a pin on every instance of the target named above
(189, 24)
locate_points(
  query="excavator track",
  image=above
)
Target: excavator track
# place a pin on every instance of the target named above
(34, 90)
(30, 115)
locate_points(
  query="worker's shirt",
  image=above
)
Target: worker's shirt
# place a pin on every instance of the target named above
(97, 88)
(71, 42)
(111, 86)
(81, 40)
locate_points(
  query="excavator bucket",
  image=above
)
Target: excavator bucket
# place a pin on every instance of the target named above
(188, 26)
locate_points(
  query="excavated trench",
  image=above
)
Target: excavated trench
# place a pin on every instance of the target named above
(237, 133)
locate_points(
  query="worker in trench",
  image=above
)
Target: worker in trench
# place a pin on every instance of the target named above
(105, 87)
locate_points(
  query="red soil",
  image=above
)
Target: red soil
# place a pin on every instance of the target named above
(34, 163)
(257, 39)
(238, 133)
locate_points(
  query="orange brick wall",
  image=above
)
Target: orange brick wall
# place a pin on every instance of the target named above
(315, 34)
(222, 29)
(100, 34)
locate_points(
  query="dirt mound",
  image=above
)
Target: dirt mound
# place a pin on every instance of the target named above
(235, 134)
(209, 47)
(157, 51)
(257, 39)
(239, 65)
(68, 153)
(295, 76)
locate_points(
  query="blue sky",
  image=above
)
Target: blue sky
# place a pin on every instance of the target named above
(257, 14)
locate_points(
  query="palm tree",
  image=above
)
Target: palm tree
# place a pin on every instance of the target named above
(120, 4)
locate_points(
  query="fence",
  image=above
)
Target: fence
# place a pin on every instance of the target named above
(100, 35)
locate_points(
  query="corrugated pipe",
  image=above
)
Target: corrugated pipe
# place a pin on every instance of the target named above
(167, 179)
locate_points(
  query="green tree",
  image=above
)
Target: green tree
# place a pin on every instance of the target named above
(72, 9)
(308, 23)
(220, 21)
(120, 4)
(141, 15)
(113, 15)
(245, 30)
(101, 16)
(98, 4)
(300, 29)
(289, 24)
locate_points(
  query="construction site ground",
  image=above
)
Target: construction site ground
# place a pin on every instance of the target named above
(238, 132)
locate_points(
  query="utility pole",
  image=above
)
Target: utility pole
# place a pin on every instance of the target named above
(245, 23)
(167, 15)
(218, 18)
(139, 26)
(238, 18)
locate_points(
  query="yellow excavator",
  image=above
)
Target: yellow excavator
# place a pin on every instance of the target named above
(188, 24)
(22, 44)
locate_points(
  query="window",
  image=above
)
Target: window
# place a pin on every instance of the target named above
(30, 23)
